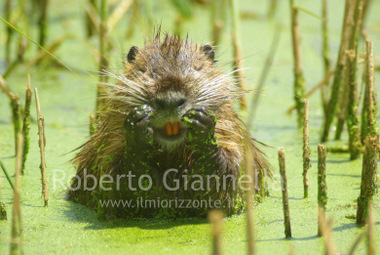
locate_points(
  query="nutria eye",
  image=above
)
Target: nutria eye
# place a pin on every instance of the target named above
(131, 57)
(207, 49)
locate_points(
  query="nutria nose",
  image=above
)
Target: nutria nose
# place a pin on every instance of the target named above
(170, 101)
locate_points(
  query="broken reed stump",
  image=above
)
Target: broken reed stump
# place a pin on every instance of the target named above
(368, 182)
(216, 219)
(284, 187)
(299, 80)
(42, 21)
(353, 121)
(326, 56)
(336, 83)
(103, 61)
(250, 194)
(322, 186)
(42, 144)
(369, 112)
(306, 149)
(371, 227)
(16, 233)
(237, 52)
(325, 227)
(26, 124)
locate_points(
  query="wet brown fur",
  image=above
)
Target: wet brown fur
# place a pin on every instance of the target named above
(173, 64)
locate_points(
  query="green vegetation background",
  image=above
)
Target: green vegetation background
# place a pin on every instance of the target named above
(67, 98)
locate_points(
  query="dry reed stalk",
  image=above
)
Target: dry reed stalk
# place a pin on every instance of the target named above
(42, 144)
(16, 233)
(369, 111)
(306, 150)
(326, 56)
(216, 219)
(326, 230)
(103, 61)
(299, 80)
(284, 187)
(356, 243)
(322, 185)
(218, 15)
(371, 228)
(118, 14)
(8, 32)
(263, 76)
(250, 194)
(237, 52)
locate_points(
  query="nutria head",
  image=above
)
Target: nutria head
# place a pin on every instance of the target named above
(172, 76)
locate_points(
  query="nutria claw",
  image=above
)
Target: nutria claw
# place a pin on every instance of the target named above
(137, 121)
(201, 123)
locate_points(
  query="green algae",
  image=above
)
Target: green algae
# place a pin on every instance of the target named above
(66, 98)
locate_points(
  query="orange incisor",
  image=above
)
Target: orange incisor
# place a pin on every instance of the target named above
(172, 128)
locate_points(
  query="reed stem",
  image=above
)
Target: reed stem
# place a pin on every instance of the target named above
(299, 80)
(306, 150)
(237, 52)
(322, 186)
(336, 84)
(26, 123)
(284, 187)
(103, 61)
(326, 56)
(368, 180)
(16, 233)
(216, 220)
(42, 22)
(42, 144)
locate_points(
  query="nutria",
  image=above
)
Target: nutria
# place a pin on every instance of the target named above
(169, 119)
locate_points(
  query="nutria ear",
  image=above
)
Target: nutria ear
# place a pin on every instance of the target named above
(209, 51)
(131, 57)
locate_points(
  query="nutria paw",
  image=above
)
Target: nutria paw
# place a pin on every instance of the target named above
(137, 124)
(201, 126)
